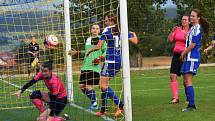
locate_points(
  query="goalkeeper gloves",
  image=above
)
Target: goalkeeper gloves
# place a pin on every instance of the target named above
(96, 61)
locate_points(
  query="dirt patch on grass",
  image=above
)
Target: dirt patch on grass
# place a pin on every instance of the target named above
(156, 61)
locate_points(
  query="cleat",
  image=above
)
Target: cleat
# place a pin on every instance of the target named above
(118, 112)
(100, 113)
(174, 101)
(94, 107)
(66, 116)
(189, 109)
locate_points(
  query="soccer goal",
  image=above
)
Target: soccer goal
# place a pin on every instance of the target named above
(57, 27)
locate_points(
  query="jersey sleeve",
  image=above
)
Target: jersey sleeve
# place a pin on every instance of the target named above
(196, 36)
(214, 38)
(104, 34)
(130, 35)
(39, 76)
(27, 85)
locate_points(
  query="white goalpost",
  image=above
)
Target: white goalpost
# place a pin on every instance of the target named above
(125, 60)
(68, 48)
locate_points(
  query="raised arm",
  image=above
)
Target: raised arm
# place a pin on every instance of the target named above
(97, 47)
(171, 35)
(212, 45)
(133, 39)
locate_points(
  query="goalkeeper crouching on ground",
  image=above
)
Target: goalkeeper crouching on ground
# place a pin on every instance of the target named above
(56, 97)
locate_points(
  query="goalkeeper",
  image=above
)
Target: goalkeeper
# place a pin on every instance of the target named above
(90, 70)
(56, 98)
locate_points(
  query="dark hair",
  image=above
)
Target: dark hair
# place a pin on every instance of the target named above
(114, 19)
(203, 22)
(48, 65)
(187, 15)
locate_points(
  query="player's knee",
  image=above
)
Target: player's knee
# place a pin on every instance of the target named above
(173, 77)
(36, 95)
(103, 86)
(188, 82)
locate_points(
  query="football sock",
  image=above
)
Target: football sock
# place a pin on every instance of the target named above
(104, 98)
(174, 88)
(112, 95)
(90, 94)
(39, 105)
(190, 95)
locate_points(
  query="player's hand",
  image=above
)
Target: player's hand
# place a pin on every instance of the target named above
(98, 60)
(174, 28)
(102, 58)
(35, 54)
(18, 93)
(72, 52)
(206, 51)
(182, 57)
(213, 43)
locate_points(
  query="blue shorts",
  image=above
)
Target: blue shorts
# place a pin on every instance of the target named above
(190, 67)
(110, 69)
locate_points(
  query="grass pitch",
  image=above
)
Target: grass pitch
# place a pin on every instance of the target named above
(150, 97)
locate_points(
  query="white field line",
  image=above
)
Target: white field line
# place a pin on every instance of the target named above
(7, 82)
(167, 67)
(72, 104)
(132, 69)
(91, 112)
(159, 89)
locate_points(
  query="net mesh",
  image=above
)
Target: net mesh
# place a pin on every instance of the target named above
(22, 20)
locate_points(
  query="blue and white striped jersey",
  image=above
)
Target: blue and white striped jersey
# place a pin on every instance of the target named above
(194, 36)
(113, 53)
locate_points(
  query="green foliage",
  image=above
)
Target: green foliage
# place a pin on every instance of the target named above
(154, 45)
(145, 16)
(147, 19)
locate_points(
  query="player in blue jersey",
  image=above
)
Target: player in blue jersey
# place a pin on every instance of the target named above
(191, 55)
(112, 61)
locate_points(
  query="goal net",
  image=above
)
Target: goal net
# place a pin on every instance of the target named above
(25, 21)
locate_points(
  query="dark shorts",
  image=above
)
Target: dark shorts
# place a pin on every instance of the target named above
(176, 64)
(60, 105)
(89, 77)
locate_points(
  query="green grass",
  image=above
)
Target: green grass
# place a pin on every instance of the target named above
(150, 97)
